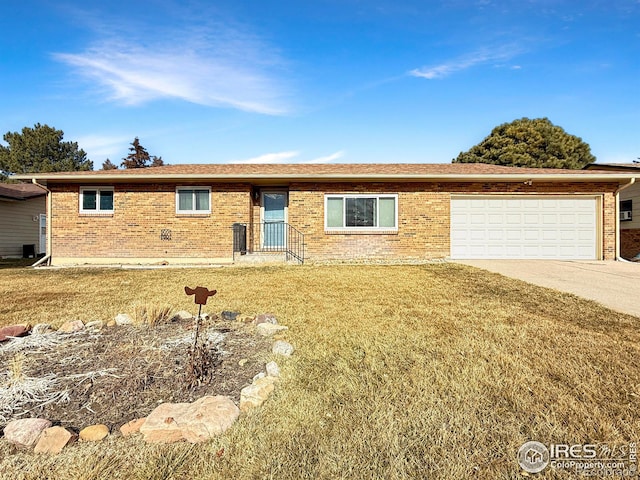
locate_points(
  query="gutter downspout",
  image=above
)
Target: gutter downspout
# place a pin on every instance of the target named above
(617, 197)
(47, 257)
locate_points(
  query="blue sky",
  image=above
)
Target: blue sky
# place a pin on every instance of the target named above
(324, 81)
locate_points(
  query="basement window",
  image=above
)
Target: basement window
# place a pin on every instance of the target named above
(96, 200)
(193, 200)
(361, 212)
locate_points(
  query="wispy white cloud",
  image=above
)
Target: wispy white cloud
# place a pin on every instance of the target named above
(278, 157)
(103, 146)
(328, 158)
(290, 156)
(217, 66)
(480, 57)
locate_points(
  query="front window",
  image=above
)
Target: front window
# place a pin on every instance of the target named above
(371, 212)
(96, 200)
(193, 200)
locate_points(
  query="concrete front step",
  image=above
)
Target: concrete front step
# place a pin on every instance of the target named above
(261, 257)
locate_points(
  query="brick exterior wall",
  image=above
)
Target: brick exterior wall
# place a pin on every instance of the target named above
(423, 217)
(141, 211)
(629, 242)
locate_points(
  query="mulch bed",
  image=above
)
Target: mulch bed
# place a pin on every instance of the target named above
(122, 373)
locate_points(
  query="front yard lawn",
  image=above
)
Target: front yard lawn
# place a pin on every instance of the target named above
(428, 371)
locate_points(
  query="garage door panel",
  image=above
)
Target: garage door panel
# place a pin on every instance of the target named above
(528, 227)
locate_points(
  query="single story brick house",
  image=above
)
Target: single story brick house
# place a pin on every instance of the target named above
(22, 220)
(629, 208)
(225, 212)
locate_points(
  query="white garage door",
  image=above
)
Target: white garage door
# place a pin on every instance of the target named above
(545, 227)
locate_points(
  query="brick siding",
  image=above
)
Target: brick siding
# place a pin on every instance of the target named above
(141, 211)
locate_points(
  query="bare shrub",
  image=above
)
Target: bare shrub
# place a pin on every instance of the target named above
(151, 314)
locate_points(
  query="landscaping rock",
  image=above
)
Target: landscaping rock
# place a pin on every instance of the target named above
(132, 427)
(243, 362)
(229, 316)
(123, 319)
(259, 375)
(26, 431)
(54, 439)
(182, 315)
(280, 347)
(255, 394)
(194, 422)
(268, 329)
(245, 319)
(272, 369)
(111, 323)
(71, 326)
(41, 329)
(94, 433)
(265, 318)
(13, 331)
(95, 325)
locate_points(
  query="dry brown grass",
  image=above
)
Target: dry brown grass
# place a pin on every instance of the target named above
(437, 371)
(151, 314)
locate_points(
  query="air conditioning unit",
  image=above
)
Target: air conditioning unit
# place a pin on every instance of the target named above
(625, 215)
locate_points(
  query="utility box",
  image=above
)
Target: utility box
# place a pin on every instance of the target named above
(240, 238)
(29, 251)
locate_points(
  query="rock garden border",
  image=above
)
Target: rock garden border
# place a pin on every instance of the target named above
(192, 422)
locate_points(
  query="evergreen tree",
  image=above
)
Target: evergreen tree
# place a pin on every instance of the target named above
(109, 165)
(139, 157)
(40, 149)
(530, 143)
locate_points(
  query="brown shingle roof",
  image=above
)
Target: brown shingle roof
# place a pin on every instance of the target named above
(20, 191)
(324, 169)
(284, 173)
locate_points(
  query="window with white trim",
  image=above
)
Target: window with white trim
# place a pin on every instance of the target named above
(361, 212)
(96, 200)
(193, 200)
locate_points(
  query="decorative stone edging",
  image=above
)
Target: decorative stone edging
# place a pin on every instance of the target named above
(168, 422)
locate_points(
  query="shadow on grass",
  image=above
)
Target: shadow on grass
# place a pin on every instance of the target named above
(17, 262)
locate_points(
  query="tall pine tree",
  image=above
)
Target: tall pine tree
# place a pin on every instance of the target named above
(139, 157)
(40, 149)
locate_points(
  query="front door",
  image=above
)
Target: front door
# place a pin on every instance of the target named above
(274, 218)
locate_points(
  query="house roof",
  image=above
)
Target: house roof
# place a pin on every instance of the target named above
(618, 167)
(370, 172)
(20, 191)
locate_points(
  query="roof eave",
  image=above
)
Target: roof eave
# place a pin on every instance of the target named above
(288, 178)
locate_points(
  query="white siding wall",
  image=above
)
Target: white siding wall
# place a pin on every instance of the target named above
(17, 225)
(632, 193)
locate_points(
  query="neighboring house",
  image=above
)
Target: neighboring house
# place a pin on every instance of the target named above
(215, 213)
(629, 208)
(22, 220)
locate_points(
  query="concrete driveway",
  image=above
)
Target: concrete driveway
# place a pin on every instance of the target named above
(614, 284)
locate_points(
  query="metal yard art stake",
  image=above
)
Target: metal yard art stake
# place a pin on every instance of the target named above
(201, 296)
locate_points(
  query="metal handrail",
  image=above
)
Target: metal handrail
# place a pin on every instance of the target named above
(268, 237)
